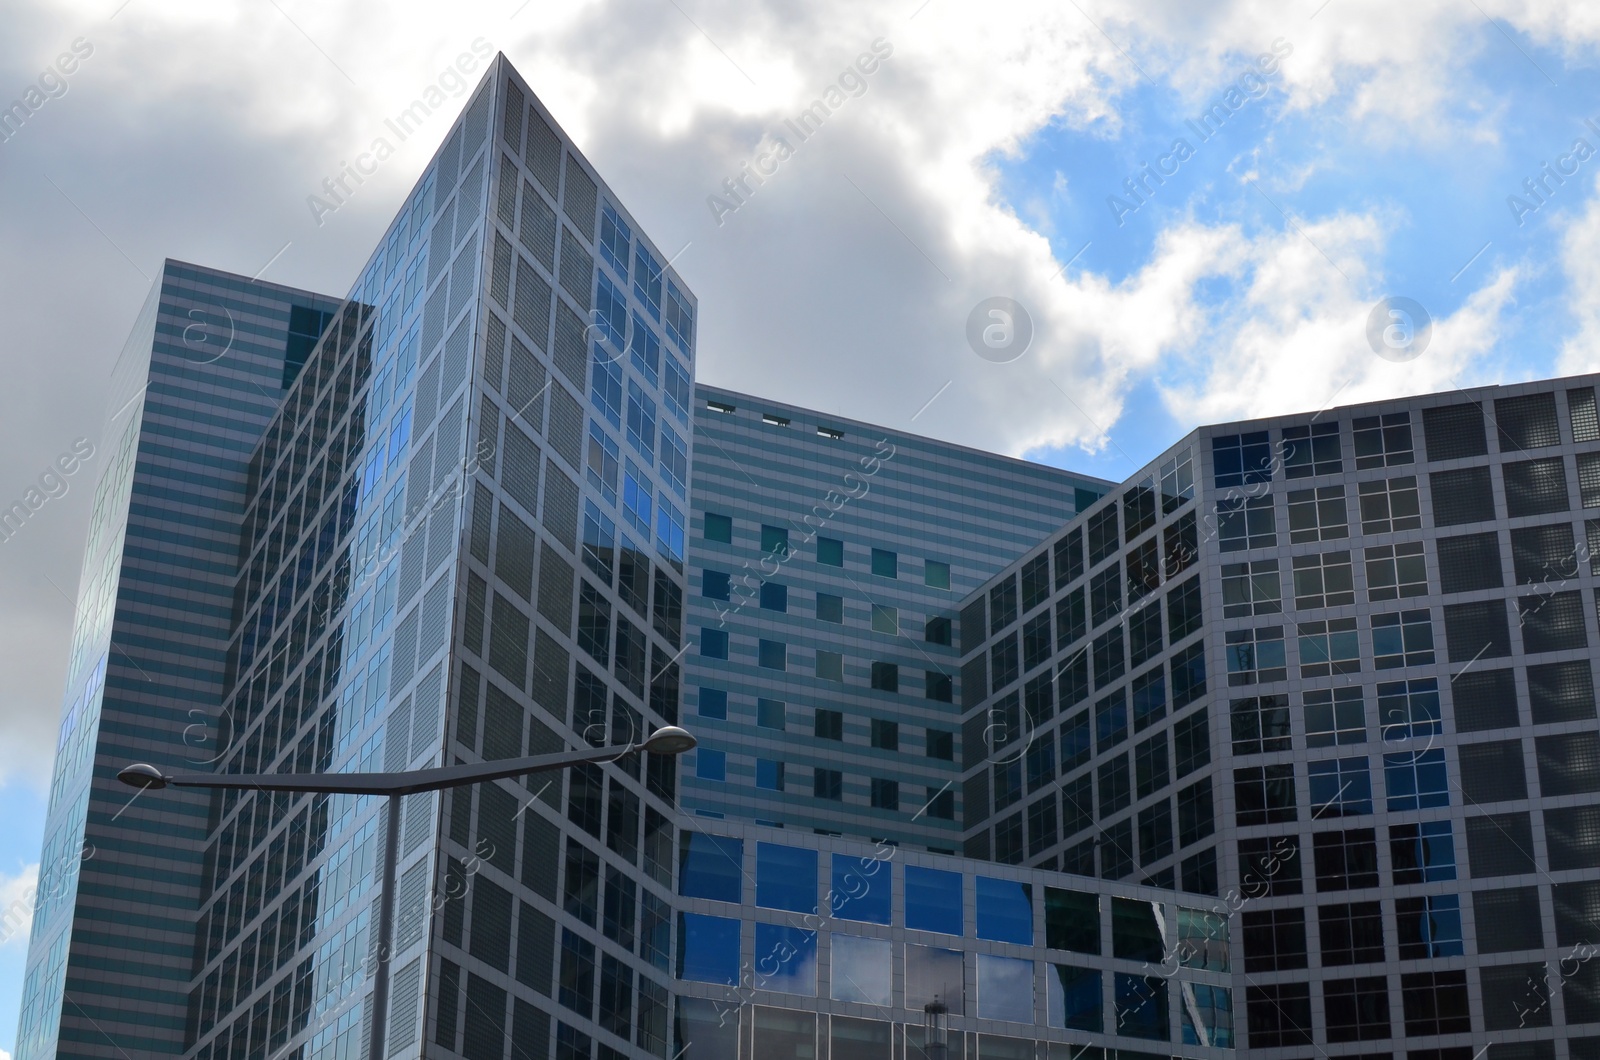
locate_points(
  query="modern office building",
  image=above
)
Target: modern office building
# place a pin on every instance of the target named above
(1337, 669)
(827, 563)
(1286, 744)
(201, 375)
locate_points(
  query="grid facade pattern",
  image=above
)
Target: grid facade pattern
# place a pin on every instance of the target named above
(826, 561)
(1375, 743)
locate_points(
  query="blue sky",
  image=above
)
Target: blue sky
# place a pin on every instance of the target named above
(977, 164)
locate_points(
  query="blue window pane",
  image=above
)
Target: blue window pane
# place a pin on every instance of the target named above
(774, 596)
(680, 318)
(710, 866)
(711, 765)
(674, 460)
(1141, 1006)
(1005, 989)
(615, 235)
(1005, 910)
(885, 564)
(636, 498)
(647, 279)
(773, 655)
(713, 643)
(1075, 998)
(860, 889)
(645, 350)
(786, 878)
(715, 584)
(713, 703)
(677, 389)
(641, 421)
(669, 532)
(933, 900)
(786, 959)
(606, 391)
(708, 949)
(610, 316)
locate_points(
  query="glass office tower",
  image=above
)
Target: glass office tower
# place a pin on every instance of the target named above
(1337, 670)
(201, 374)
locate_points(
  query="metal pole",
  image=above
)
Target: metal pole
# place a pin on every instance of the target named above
(380, 981)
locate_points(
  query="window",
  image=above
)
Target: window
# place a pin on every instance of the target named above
(936, 573)
(1589, 479)
(1114, 785)
(829, 725)
(1278, 1015)
(1245, 523)
(937, 686)
(1581, 409)
(1004, 661)
(770, 714)
(769, 775)
(830, 665)
(1075, 741)
(1404, 639)
(1429, 927)
(885, 794)
(674, 460)
(1255, 655)
(1346, 861)
(1177, 482)
(1390, 505)
(1180, 543)
(941, 803)
(1396, 571)
(714, 584)
(1274, 940)
(1408, 709)
(1035, 581)
(1041, 764)
(933, 900)
(603, 465)
(1144, 571)
(636, 500)
(830, 551)
(1416, 780)
(1318, 515)
(713, 643)
(605, 391)
(1382, 441)
(1556, 691)
(885, 734)
(611, 313)
(1311, 450)
(1543, 554)
(679, 318)
(1552, 622)
(719, 528)
(1323, 580)
(1335, 717)
(827, 784)
(1260, 724)
(1241, 459)
(772, 655)
(677, 388)
(713, 703)
(1111, 720)
(1103, 539)
(1356, 1009)
(1527, 422)
(775, 540)
(1191, 742)
(1340, 788)
(594, 624)
(1067, 556)
(1330, 647)
(1251, 589)
(1105, 594)
(1422, 853)
(1188, 675)
(1149, 698)
(1077, 805)
(1110, 657)
(1183, 610)
(599, 542)
(711, 765)
(1477, 631)
(885, 564)
(830, 608)
(936, 630)
(1435, 1003)
(1464, 495)
(885, 619)
(1269, 867)
(941, 744)
(647, 279)
(1536, 487)
(1150, 764)
(1351, 934)
(1264, 794)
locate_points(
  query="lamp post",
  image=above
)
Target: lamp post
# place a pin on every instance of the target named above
(667, 740)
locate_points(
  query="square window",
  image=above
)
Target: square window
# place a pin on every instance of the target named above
(713, 643)
(1357, 1009)
(830, 608)
(774, 596)
(941, 744)
(1329, 648)
(775, 540)
(713, 703)
(1422, 853)
(711, 765)
(1253, 588)
(770, 714)
(1416, 780)
(1463, 495)
(936, 573)
(830, 551)
(886, 676)
(1382, 441)
(885, 619)
(1264, 794)
(830, 665)
(1435, 1003)
(885, 794)
(829, 725)
(1245, 523)
(938, 686)
(1408, 709)
(1340, 788)
(885, 734)
(1395, 572)
(1255, 655)
(937, 631)
(1260, 724)
(1269, 867)
(1323, 580)
(769, 775)
(1241, 459)
(1336, 716)
(1351, 933)
(1404, 639)
(773, 655)
(885, 564)
(827, 784)
(1274, 940)
(1390, 505)
(1346, 861)
(1312, 450)
(1279, 1015)
(1318, 515)
(1428, 927)
(714, 584)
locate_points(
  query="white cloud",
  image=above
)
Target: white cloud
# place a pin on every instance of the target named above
(1579, 260)
(17, 896)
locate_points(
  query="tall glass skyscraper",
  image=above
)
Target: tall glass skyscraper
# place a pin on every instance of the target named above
(1286, 744)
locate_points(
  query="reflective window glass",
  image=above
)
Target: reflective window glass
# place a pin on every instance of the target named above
(933, 900)
(786, 878)
(860, 889)
(1075, 998)
(710, 867)
(1071, 920)
(1005, 988)
(861, 970)
(934, 974)
(1005, 910)
(1135, 934)
(786, 959)
(708, 949)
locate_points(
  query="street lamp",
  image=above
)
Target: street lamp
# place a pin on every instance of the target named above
(667, 740)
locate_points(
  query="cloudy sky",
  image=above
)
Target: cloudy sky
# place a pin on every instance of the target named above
(1197, 207)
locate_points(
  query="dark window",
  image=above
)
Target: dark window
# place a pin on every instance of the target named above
(1382, 441)
(1260, 724)
(1114, 785)
(1036, 645)
(1144, 571)
(1155, 832)
(1552, 622)
(937, 631)
(829, 725)
(772, 654)
(1527, 422)
(941, 744)
(1465, 495)
(885, 794)
(1311, 450)
(1071, 619)
(1150, 760)
(1454, 431)
(1002, 604)
(1269, 867)
(1183, 610)
(774, 596)
(885, 564)
(1351, 934)
(1508, 919)
(1035, 581)
(830, 551)
(1191, 742)
(937, 686)
(1105, 594)
(1422, 853)
(885, 734)
(1435, 1003)
(1389, 505)
(1346, 860)
(1356, 1009)
(1556, 692)
(1077, 805)
(1241, 459)
(1103, 539)
(1075, 743)
(1253, 588)
(1041, 826)
(1492, 772)
(1318, 514)
(1518, 995)
(1149, 698)
(1111, 720)
(1068, 556)
(1138, 509)
(1279, 1015)
(1536, 487)
(827, 784)
(713, 643)
(886, 676)
(1196, 815)
(1477, 631)
(1110, 657)
(1004, 664)
(1469, 563)
(1485, 699)
(719, 528)
(1008, 840)
(831, 609)
(1188, 675)
(1396, 572)
(1274, 940)
(775, 540)
(1245, 523)
(1264, 794)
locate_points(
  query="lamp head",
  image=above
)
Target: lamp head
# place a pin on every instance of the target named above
(142, 776)
(670, 740)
